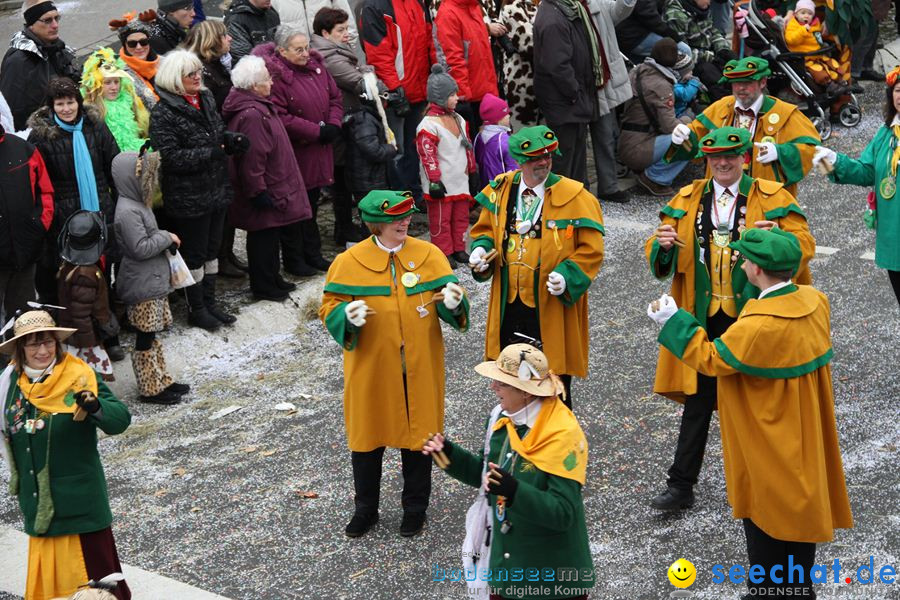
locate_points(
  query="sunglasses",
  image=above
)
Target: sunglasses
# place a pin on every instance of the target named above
(136, 43)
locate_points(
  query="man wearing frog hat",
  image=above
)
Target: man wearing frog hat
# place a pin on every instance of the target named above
(383, 302)
(539, 239)
(692, 245)
(784, 139)
(780, 446)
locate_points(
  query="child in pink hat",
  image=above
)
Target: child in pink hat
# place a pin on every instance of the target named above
(492, 142)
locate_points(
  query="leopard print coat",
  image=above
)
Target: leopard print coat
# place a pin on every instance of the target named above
(518, 70)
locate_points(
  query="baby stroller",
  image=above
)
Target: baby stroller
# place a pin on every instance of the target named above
(790, 80)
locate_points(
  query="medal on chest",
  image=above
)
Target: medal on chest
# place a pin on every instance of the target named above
(888, 187)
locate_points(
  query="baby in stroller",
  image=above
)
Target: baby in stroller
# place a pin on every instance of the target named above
(803, 33)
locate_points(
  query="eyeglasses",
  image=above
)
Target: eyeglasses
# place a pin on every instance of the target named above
(34, 346)
(136, 43)
(299, 50)
(49, 20)
(195, 74)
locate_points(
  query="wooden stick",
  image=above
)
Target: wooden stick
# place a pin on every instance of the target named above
(491, 255)
(80, 414)
(437, 297)
(369, 311)
(824, 167)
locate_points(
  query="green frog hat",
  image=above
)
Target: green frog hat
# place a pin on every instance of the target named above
(532, 142)
(386, 206)
(772, 250)
(749, 68)
(725, 140)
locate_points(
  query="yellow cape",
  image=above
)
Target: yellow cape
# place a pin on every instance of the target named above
(555, 445)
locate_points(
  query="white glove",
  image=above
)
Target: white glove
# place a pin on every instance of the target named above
(356, 312)
(453, 295)
(476, 260)
(766, 153)
(826, 154)
(681, 134)
(556, 284)
(664, 311)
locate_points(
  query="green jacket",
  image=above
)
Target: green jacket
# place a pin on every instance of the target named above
(545, 554)
(873, 167)
(76, 484)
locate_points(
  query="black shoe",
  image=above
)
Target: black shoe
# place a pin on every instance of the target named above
(238, 263)
(319, 263)
(203, 319)
(452, 261)
(228, 269)
(673, 499)
(412, 524)
(618, 197)
(178, 388)
(461, 257)
(360, 524)
(855, 88)
(655, 189)
(871, 75)
(281, 284)
(301, 270)
(164, 397)
(115, 353)
(209, 300)
(274, 295)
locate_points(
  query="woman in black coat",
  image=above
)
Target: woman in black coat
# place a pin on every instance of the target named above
(49, 133)
(188, 133)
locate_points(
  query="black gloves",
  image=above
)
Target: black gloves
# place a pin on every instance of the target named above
(437, 190)
(506, 45)
(87, 400)
(725, 55)
(328, 133)
(502, 483)
(397, 101)
(262, 200)
(236, 143)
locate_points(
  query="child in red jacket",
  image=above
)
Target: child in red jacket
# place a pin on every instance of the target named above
(447, 159)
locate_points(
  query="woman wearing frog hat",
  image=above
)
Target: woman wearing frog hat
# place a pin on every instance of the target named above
(530, 473)
(876, 168)
(52, 406)
(383, 302)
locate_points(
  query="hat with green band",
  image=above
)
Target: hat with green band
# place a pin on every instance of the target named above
(773, 249)
(749, 68)
(725, 141)
(386, 206)
(533, 142)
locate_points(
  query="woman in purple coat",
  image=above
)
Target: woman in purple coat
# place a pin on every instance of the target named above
(310, 106)
(269, 194)
(492, 142)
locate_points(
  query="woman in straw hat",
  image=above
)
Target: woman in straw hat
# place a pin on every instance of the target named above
(52, 405)
(530, 473)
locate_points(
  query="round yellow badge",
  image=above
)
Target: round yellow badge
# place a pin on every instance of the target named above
(682, 573)
(510, 245)
(767, 140)
(774, 118)
(409, 279)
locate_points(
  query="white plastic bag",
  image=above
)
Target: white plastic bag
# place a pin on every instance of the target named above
(181, 275)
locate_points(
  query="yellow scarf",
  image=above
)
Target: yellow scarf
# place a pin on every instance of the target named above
(555, 445)
(56, 393)
(896, 157)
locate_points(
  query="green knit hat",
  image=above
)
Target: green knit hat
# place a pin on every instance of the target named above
(749, 68)
(772, 250)
(386, 206)
(724, 141)
(533, 142)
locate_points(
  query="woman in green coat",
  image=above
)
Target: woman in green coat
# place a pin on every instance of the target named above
(877, 168)
(52, 406)
(532, 477)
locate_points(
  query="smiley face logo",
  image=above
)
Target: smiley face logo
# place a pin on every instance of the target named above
(682, 573)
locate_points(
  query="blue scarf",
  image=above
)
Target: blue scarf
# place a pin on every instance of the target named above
(84, 167)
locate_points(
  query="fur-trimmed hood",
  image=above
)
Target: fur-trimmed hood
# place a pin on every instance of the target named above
(279, 68)
(44, 127)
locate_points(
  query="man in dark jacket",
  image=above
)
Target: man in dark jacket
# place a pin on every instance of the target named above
(35, 56)
(643, 28)
(25, 217)
(567, 74)
(172, 22)
(250, 23)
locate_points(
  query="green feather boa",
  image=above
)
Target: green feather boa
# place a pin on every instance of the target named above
(122, 123)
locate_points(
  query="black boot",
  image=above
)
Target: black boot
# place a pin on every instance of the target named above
(198, 315)
(209, 300)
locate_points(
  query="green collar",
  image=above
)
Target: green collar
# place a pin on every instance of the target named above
(788, 289)
(552, 179)
(768, 103)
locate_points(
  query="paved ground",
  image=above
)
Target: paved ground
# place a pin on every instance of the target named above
(219, 503)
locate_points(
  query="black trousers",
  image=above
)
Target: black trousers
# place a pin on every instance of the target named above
(301, 242)
(573, 162)
(796, 560)
(518, 318)
(895, 282)
(694, 429)
(262, 260)
(367, 480)
(200, 237)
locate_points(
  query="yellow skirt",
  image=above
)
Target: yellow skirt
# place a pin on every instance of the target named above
(55, 567)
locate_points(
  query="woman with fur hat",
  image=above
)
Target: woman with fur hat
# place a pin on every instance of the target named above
(446, 159)
(529, 474)
(140, 59)
(106, 86)
(51, 406)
